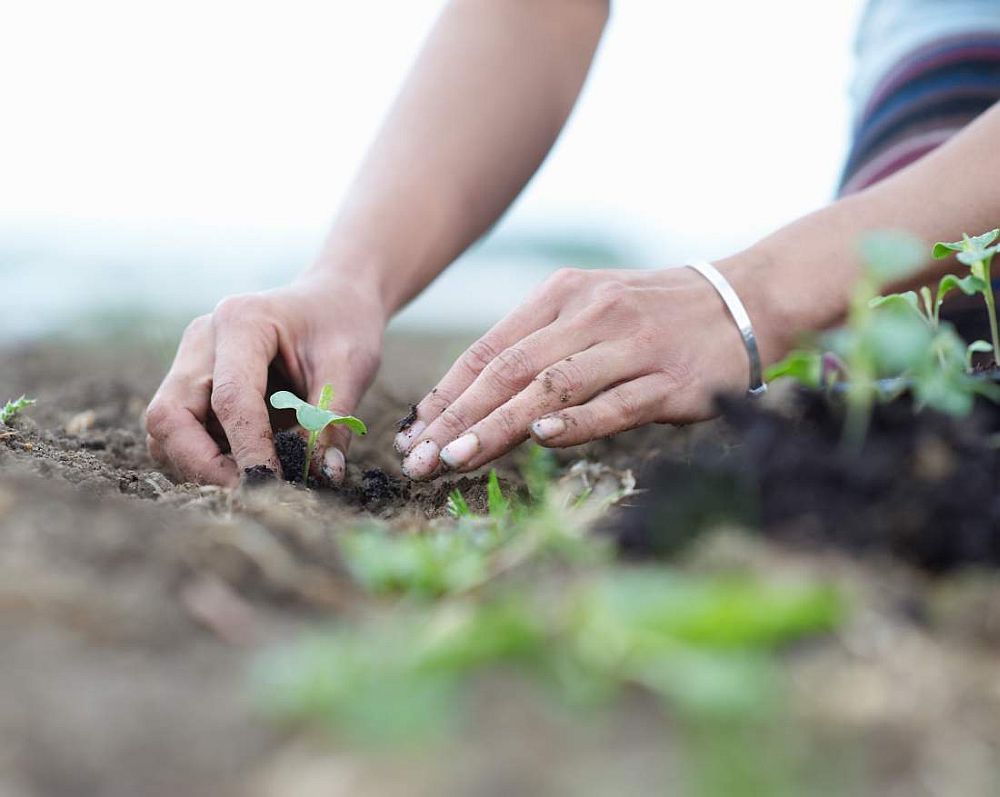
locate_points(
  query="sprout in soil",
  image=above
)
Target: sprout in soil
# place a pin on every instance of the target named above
(12, 408)
(977, 253)
(314, 419)
(893, 342)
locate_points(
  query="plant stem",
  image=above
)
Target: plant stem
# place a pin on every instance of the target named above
(310, 446)
(991, 309)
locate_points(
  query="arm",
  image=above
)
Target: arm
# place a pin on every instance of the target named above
(483, 105)
(478, 114)
(595, 353)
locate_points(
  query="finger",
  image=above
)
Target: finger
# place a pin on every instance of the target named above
(506, 375)
(177, 436)
(350, 374)
(571, 381)
(647, 399)
(243, 351)
(175, 418)
(532, 316)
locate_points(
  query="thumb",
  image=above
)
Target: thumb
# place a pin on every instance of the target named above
(329, 458)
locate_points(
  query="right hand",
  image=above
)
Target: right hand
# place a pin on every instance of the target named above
(210, 418)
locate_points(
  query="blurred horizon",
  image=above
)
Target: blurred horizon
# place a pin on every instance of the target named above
(158, 157)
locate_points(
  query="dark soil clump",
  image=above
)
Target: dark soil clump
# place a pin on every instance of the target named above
(922, 488)
(407, 420)
(258, 475)
(291, 450)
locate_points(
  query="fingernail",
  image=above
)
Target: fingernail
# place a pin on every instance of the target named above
(405, 438)
(333, 465)
(460, 451)
(544, 428)
(422, 461)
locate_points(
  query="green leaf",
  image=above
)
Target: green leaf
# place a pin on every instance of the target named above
(897, 342)
(314, 419)
(977, 255)
(974, 347)
(902, 300)
(498, 504)
(984, 240)
(457, 505)
(12, 408)
(942, 250)
(891, 256)
(969, 285)
(801, 364)
(284, 400)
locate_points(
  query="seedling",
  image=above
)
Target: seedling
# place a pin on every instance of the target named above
(897, 341)
(977, 253)
(12, 408)
(315, 418)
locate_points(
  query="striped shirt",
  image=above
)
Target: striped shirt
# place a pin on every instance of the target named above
(925, 69)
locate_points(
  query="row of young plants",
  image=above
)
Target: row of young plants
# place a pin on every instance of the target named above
(528, 589)
(894, 343)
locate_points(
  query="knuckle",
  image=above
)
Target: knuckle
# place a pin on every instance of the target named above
(509, 424)
(677, 373)
(198, 326)
(626, 402)
(511, 369)
(566, 278)
(225, 398)
(453, 420)
(611, 296)
(564, 379)
(479, 355)
(237, 308)
(159, 419)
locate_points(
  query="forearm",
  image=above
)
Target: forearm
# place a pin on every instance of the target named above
(481, 108)
(800, 278)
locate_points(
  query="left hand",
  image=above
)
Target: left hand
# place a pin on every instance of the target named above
(589, 354)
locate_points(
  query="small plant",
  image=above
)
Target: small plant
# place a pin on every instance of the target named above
(897, 341)
(12, 408)
(977, 253)
(314, 419)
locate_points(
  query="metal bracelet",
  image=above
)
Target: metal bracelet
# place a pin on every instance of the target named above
(742, 319)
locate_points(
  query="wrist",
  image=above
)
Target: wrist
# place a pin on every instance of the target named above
(344, 267)
(781, 312)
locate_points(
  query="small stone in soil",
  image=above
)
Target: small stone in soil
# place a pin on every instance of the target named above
(291, 450)
(406, 421)
(258, 475)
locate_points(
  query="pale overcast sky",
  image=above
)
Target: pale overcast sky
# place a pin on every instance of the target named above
(703, 125)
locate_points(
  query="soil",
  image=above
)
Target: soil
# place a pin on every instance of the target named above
(132, 604)
(924, 487)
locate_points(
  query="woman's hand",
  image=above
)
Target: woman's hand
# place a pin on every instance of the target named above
(590, 354)
(210, 418)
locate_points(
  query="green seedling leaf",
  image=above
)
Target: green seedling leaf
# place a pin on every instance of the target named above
(977, 346)
(897, 341)
(944, 249)
(802, 365)
(902, 300)
(457, 505)
(12, 408)
(314, 419)
(971, 257)
(969, 285)
(498, 503)
(891, 256)
(984, 240)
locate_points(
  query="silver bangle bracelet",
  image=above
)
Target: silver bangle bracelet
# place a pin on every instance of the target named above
(742, 319)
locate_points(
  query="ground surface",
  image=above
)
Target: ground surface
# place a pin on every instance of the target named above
(131, 607)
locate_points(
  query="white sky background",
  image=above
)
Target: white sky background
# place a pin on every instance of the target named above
(190, 127)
